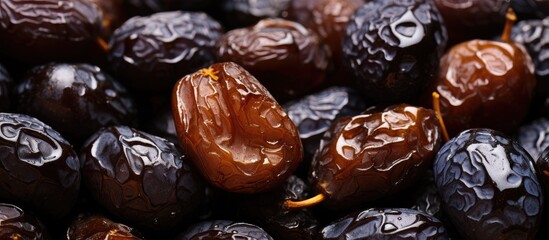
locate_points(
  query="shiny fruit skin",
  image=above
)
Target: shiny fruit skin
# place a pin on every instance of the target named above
(371, 156)
(238, 136)
(489, 186)
(484, 84)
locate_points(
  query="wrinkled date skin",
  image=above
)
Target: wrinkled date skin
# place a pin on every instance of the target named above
(534, 137)
(287, 58)
(16, 224)
(377, 223)
(38, 167)
(394, 47)
(244, 13)
(5, 89)
(224, 230)
(314, 113)
(484, 84)
(542, 164)
(75, 99)
(531, 34)
(238, 136)
(372, 156)
(471, 19)
(100, 228)
(152, 52)
(141, 178)
(489, 186)
(266, 210)
(49, 30)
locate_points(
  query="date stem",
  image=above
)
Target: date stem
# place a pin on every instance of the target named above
(289, 204)
(436, 107)
(510, 17)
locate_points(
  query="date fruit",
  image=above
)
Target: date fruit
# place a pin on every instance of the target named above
(17, 224)
(97, 227)
(236, 133)
(141, 178)
(38, 32)
(393, 48)
(391, 223)
(287, 58)
(375, 155)
(489, 187)
(151, 53)
(75, 99)
(38, 167)
(224, 230)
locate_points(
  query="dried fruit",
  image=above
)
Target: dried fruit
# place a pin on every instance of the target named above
(237, 135)
(141, 178)
(489, 187)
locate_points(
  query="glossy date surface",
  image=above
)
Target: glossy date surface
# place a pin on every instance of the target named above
(371, 156)
(38, 167)
(488, 186)
(484, 84)
(377, 223)
(287, 58)
(141, 178)
(236, 133)
(15, 224)
(393, 48)
(151, 53)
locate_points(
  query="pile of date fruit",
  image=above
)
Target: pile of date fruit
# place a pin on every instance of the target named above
(274, 119)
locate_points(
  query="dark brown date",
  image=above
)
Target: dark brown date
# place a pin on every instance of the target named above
(17, 224)
(224, 230)
(286, 57)
(371, 156)
(484, 84)
(141, 178)
(393, 48)
(376, 223)
(301, 11)
(489, 186)
(37, 166)
(236, 133)
(49, 30)
(75, 99)
(100, 228)
(151, 53)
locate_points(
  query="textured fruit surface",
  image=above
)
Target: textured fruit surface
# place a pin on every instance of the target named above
(49, 30)
(484, 84)
(236, 133)
(152, 52)
(38, 167)
(75, 99)
(287, 58)
(224, 230)
(370, 156)
(99, 228)
(15, 224)
(141, 178)
(393, 48)
(377, 223)
(489, 187)
(534, 137)
(532, 34)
